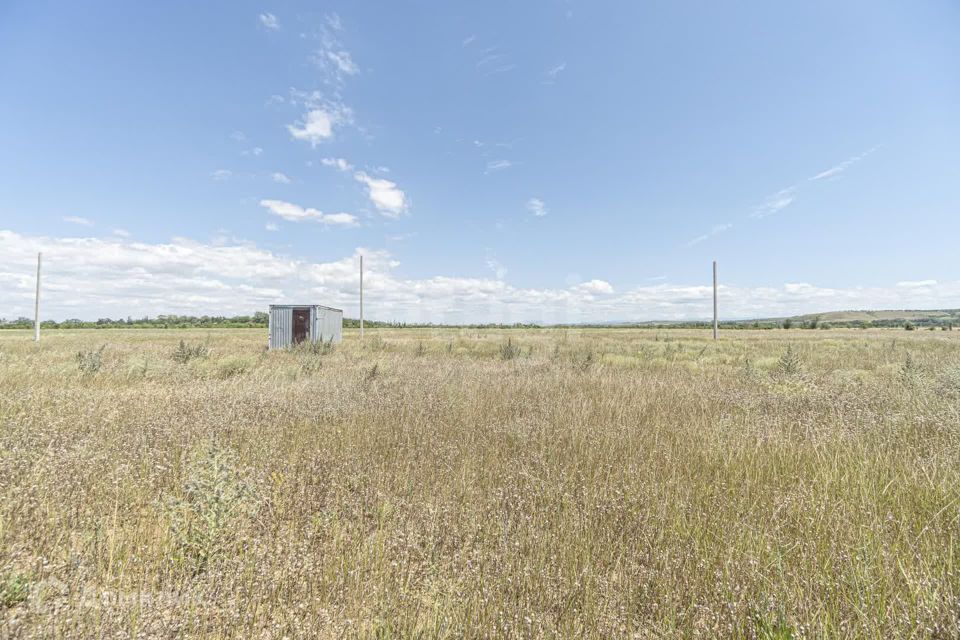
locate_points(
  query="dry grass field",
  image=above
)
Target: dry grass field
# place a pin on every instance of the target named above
(478, 483)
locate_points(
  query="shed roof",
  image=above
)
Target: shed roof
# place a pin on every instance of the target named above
(302, 306)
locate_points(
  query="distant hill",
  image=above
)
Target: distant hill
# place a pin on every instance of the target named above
(946, 318)
(882, 318)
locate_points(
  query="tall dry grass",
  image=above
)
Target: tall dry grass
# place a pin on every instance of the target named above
(609, 483)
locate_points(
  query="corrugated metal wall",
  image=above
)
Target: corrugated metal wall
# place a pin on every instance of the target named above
(281, 327)
(326, 324)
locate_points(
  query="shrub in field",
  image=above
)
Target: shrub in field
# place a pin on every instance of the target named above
(789, 363)
(950, 381)
(583, 359)
(14, 589)
(318, 348)
(186, 352)
(376, 343)
(420, 349)
(910, 370)
(231, 367)
(509, 350)
(372, 374)
(205, 519)
(772, 629)
(91, 360)
(310, 365)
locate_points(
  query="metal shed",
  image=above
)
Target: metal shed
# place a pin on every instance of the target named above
(293, 323)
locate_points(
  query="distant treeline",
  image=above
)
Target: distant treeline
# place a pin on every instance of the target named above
(257, 320)
(260, 319)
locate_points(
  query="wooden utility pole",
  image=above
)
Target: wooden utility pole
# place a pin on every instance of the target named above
(36, 304)
(361, 297)
(714, 299)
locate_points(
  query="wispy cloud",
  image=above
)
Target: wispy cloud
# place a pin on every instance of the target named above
(834, 172)
(256, 151)
(78, 220)
(494, 60)
(501, 69)
(332, 57)
(282, 178)
(271, 226)
(343, 62)
(269, 21)
(785, 197)
(469, 40)
(537, 207)
(776, 202)
(715, 230)
(121, 233)
(552, 73)
(497, 267)
(385, 195)
(222, 174)
(296, 213)
(338, 163)
(498, 165)
(490, 58)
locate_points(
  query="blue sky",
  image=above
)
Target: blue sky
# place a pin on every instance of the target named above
(549, 161)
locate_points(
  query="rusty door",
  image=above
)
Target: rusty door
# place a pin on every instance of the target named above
(301, 325)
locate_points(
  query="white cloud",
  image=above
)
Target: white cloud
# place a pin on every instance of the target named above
(256, 151)
(271, 226)
(498, 165)
(221, 174)
(912, 284)
(385, 195)
(121, 233)
(269, 21)
(537, 207)
(339, 163)
(280, 177)
(86, 222)
(469, 40)
(239, 136)
(595, 286)
(333, 19)
(296, 213)
(89, 277)
(343, 62)
(315, 127)
(715, 230)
